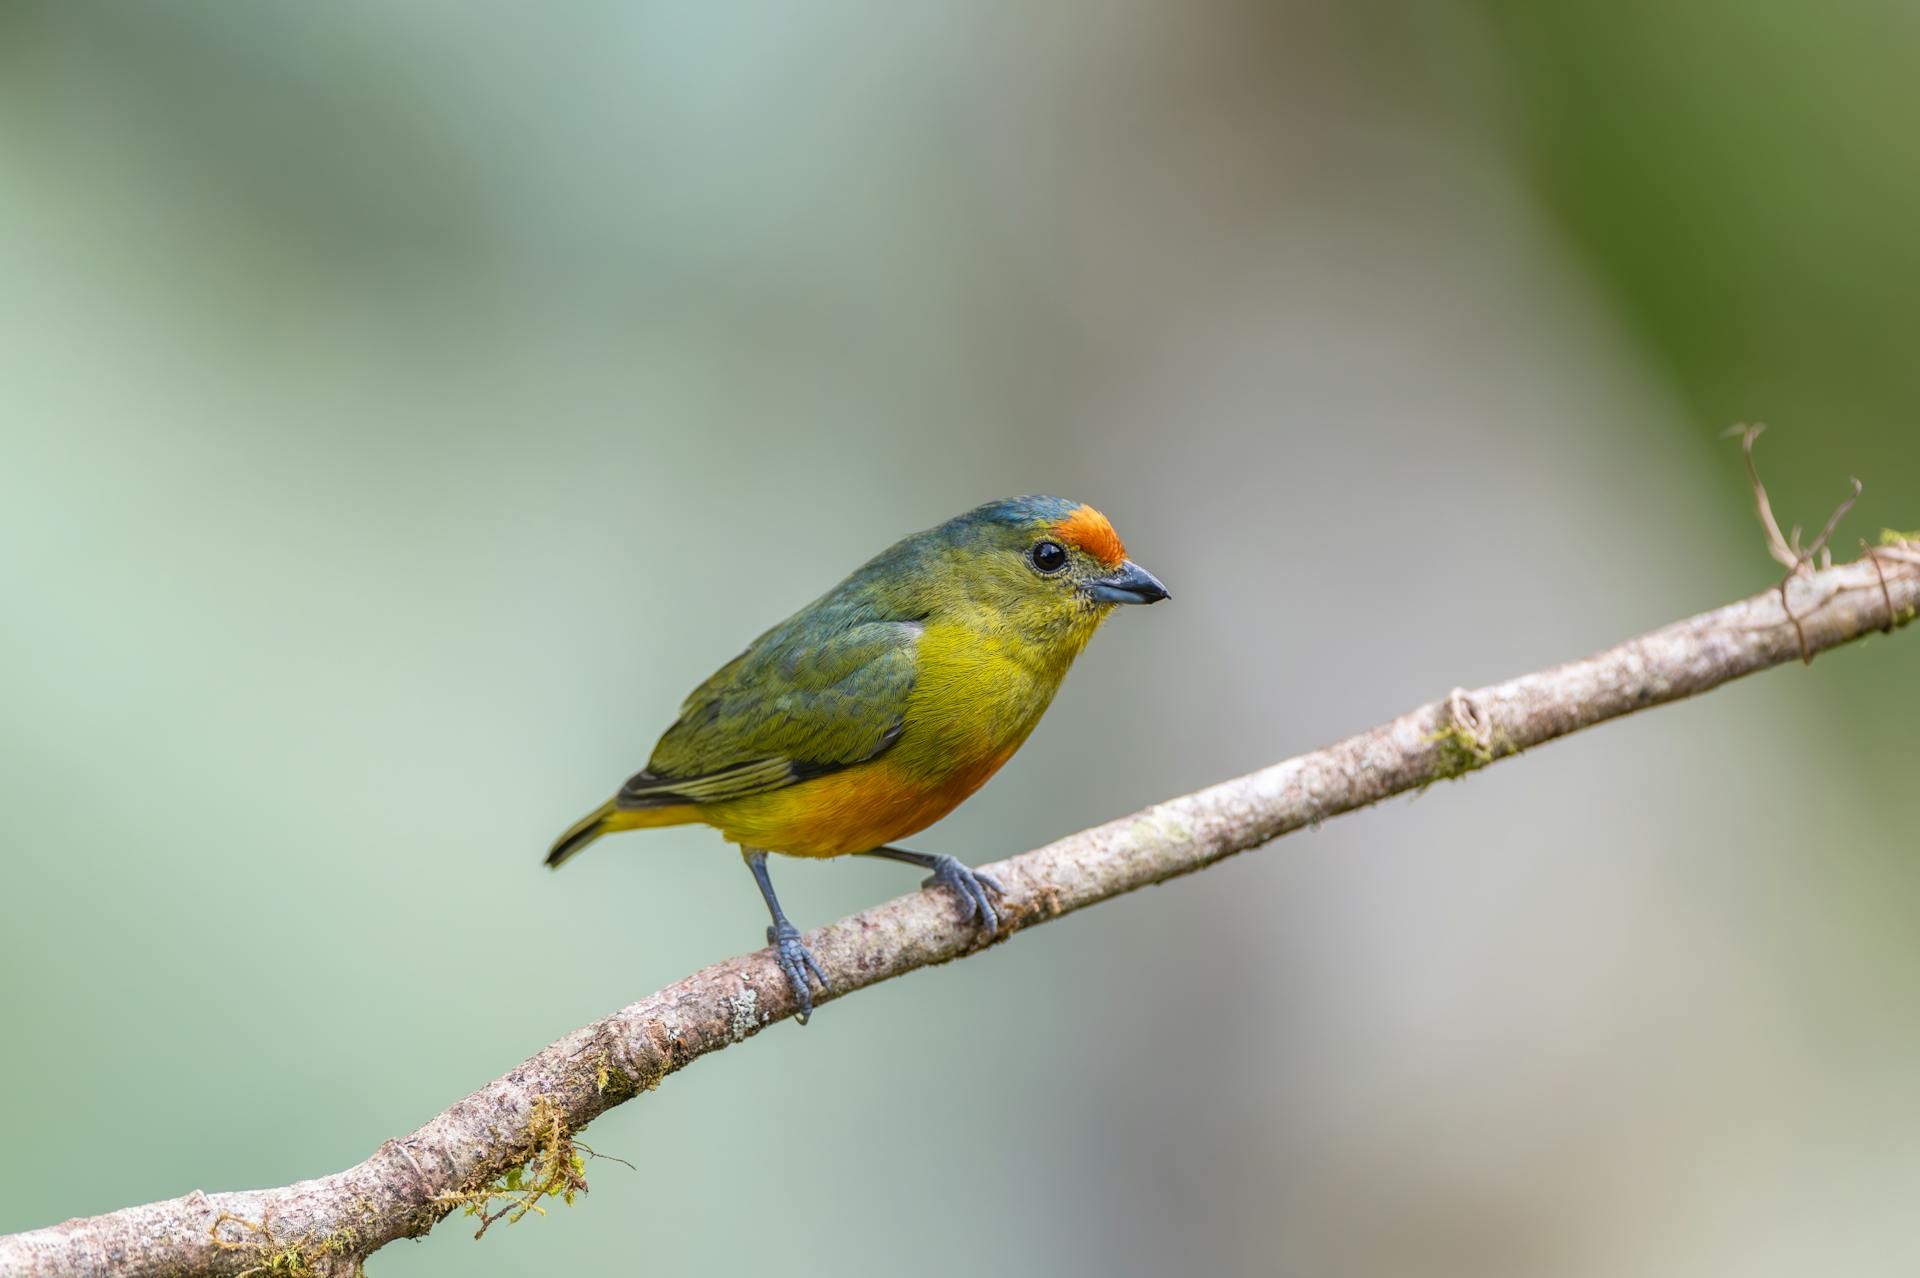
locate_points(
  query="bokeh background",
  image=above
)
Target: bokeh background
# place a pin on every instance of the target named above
(404, 405)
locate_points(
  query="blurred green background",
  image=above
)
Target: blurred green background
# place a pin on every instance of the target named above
(404, 405)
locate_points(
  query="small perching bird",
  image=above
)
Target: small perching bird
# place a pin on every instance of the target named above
(875, 710)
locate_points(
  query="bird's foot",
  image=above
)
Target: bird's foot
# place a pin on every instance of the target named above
(970, 887)
(796, 960)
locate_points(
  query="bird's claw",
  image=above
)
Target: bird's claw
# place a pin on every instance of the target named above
(971, 887)
(796, 960)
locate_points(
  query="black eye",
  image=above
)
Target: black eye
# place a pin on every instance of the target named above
(1048, 556)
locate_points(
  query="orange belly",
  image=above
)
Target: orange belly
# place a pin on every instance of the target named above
(866, 806)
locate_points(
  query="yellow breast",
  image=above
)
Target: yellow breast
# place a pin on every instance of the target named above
(977, 695)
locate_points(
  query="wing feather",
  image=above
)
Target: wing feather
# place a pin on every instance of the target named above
(814, 695)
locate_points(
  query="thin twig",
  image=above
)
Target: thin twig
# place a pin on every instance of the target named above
(1880, 574)
(1786, 550)
(1777, 545)
(1819, 546)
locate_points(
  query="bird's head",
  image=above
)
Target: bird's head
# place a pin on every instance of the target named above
(1049, 567)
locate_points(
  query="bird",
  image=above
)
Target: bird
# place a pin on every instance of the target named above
(879, 707)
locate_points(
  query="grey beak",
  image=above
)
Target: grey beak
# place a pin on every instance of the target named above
(1128, 584)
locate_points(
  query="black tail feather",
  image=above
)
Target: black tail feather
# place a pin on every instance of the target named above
(582, 832)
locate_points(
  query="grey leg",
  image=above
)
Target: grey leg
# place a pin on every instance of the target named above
(970, 887)
(795, 959)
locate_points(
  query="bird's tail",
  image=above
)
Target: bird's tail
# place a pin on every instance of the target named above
(580, 833)
(607, 818)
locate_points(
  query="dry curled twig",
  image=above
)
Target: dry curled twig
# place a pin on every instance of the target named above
(1786, 550)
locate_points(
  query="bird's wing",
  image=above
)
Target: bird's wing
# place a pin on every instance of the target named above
(797, 704)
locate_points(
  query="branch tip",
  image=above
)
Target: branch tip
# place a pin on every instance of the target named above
(1786, 551)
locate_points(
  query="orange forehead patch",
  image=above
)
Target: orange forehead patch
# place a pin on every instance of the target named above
(1088, 529)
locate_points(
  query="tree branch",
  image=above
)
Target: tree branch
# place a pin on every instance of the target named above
(523, 1123)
